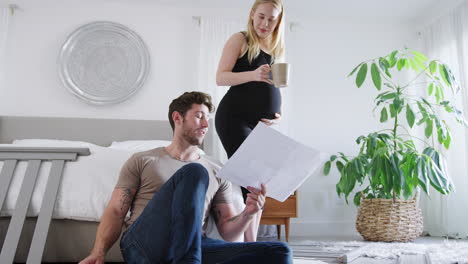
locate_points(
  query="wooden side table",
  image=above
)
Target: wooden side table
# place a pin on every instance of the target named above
(277, 213)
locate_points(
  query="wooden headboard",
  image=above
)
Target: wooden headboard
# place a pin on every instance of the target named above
(98, 131)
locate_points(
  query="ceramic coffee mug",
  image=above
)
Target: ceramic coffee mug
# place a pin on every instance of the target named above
(280, 74)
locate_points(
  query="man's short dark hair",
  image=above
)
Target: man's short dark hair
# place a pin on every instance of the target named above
(184, 103)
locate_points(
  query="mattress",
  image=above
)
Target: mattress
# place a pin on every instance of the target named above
(67, 241)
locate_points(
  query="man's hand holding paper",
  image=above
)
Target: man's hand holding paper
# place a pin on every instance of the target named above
(255, 199)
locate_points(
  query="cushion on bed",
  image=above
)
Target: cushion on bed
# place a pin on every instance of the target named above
(139, 145)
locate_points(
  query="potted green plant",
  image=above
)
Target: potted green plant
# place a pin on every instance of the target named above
(392, 164)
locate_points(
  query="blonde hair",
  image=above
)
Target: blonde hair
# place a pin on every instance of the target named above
(276, 48)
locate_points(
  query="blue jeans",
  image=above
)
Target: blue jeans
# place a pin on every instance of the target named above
(169, 230)
(218, 251)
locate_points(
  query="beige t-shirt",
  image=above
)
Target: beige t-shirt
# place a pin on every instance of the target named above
(149, 170)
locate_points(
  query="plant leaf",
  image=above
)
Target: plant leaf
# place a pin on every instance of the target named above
(387, 177)
(394, 173)
(357, 198)
(340, 166)
(384, 65)
(419, 56)
(410, 117)
(387, 96)
(422, 109)
(355, 69)
(422, 174)
(398, 103)
(326, 168)
(361, 75)
(429, 126)
(414, 65)
(338, 190)
(434, 173)
(401, 63)
(393, 111)
(444, 74)
(408, 163)
(383, 115)
(438, 164)
(392, 59)
(359, 139)
(441, 93)
(376, 79)
(433, 67)
(437, 93)
(447, 140)
(343, 156)
(362, 166)
(430, 88)
(448, 109)
(350, 179)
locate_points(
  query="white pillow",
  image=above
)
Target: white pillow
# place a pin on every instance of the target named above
(139, 145)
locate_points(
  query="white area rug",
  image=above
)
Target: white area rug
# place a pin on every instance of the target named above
(446, 252)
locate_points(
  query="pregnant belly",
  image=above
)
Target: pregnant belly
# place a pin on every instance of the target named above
(257, 102)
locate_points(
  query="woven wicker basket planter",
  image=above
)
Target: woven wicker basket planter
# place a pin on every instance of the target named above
(389, 221)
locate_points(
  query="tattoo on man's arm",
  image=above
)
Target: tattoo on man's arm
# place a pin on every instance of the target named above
(237, 217)
(234, 218)
(126, 199)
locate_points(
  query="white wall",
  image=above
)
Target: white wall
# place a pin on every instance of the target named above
(326, 111)
(329, 111)
(36, 36)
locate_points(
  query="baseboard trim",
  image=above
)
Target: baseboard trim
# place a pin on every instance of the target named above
(335, 228)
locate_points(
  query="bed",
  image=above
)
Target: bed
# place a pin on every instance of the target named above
(109, 141)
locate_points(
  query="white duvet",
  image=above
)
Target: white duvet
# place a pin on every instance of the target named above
(86, 185)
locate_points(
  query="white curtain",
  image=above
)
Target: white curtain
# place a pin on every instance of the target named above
(214, 34)
(447, 40)
(4, 19)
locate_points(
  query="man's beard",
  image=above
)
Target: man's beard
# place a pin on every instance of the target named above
(192, 140)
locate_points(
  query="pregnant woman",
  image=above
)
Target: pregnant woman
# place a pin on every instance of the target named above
(245, 66)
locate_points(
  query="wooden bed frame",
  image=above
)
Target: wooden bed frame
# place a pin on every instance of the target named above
(98, 131)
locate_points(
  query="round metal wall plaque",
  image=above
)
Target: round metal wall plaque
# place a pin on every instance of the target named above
(103, 63)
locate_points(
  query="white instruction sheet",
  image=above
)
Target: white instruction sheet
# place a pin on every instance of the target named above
(267, 156)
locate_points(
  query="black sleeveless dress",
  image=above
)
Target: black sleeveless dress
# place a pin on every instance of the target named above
(245, 104)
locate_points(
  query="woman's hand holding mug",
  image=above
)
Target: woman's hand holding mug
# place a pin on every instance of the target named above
(262, 74)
